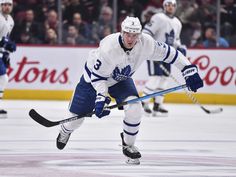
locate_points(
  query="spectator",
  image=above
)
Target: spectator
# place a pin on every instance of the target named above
(228, 13)
(211, 41)
(228, 19)
(131, 7)
(104, 22)
(91, 10)
(186, 12)
(27, 38)
(206, 12)
(104, 3)
(82, 27)
(75, 6)
(196, 35)
(51, 21)
(28, 26)
(73, 37)
(50, 37)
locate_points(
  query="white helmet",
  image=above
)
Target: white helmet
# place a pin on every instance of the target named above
(131, 25)
(168, 1)
(6, 1)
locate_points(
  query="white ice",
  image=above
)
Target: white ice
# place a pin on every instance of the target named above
(188, 143)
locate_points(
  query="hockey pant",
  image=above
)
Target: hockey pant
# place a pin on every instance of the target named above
(83, 102)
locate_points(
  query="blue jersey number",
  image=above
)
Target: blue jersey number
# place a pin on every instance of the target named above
(97, 64)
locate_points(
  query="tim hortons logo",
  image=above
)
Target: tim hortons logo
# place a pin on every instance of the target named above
(224, 75)
(29, 72)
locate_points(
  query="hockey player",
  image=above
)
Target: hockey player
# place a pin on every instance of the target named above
(163, 27)
(6, 45)
(108, 70)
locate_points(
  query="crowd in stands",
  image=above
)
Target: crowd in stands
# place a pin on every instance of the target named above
(86, 22)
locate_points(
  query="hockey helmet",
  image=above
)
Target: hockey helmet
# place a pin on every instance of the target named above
(131, 25)
(168, 1)
(6, 1)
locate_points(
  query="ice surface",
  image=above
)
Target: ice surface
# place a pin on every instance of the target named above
(188, 143)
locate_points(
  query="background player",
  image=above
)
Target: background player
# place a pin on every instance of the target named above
(108, 70)
(163, 27)
(6, 45)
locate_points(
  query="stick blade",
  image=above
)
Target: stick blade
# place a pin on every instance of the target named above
(215, 111)
(40, 119)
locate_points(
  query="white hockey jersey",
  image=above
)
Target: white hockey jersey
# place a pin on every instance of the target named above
(6, 25)
(165, 29)
(110, 63)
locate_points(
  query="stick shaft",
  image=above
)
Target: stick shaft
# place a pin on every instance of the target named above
(47, 123)
(191, 96)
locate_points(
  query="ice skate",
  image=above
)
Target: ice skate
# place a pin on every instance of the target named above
(62, 139)
(159, 111)
(3, 114)
(130, 152)
(147, 110)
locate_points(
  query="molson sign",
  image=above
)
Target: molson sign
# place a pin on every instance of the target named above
(57, 70)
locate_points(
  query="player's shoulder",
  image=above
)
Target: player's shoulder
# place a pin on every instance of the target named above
(177, 21)
(146, 39)
(1, 18)
(145, 36)
(110, 41)
(109, 45)
(159, 15)
(10, 18)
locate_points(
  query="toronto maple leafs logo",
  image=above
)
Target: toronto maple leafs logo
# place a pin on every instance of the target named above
(123, 74)
(170, 37)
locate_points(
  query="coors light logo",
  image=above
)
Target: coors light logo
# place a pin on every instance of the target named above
(28, 71)
(224, 75)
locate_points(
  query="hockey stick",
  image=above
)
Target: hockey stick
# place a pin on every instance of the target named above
(192, 97)
(47, 123)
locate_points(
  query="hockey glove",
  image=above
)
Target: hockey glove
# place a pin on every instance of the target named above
(100, 103)
(192, 78)
(6, 59)
(7, 44)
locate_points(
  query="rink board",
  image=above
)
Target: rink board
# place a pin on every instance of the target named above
(66, 95)
(39, 72)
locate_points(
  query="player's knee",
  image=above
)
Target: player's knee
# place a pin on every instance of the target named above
(133, 112)
(153, 82)
(164, 82)
(3, 81)
(74, 124)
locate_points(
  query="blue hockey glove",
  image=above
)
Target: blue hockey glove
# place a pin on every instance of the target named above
(192, 78)
(7, 44)
(100, 103)
(6, 59)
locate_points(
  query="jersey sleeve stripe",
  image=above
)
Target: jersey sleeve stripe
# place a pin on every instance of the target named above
(168, 53)
(175, 57)
(87, 70)
(97, 77)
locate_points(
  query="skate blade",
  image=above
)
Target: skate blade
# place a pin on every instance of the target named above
(158, 114)
(147, 114)
(132, 161)
(3, 116)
